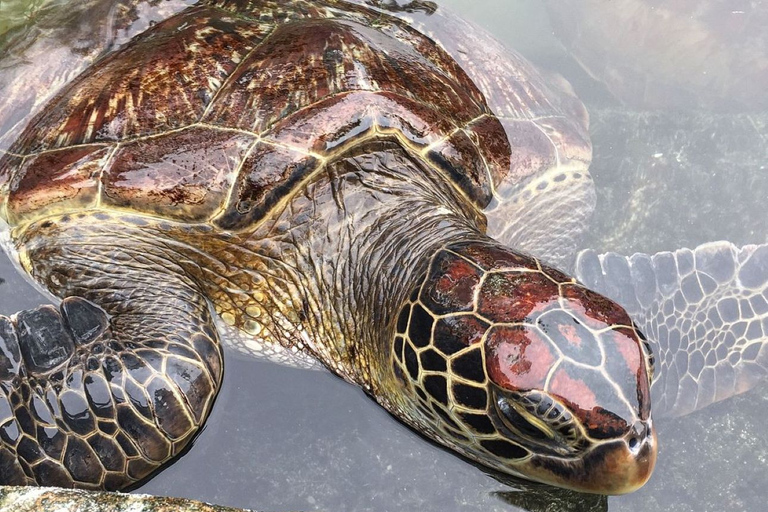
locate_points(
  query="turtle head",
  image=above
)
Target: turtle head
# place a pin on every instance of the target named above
(519, 367)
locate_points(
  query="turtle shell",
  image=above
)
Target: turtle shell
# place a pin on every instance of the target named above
(56, 43)
(219, 112)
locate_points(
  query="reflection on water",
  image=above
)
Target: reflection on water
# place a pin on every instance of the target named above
(283, 439)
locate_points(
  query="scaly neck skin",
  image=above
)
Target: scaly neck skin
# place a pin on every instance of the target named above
(326, 274)
(355, 243)
(393, 254)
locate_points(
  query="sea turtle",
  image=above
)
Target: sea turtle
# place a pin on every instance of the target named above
(315, 181)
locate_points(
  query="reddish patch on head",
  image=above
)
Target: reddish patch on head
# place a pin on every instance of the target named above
(629, 347)
(450, 286)
(569, 332)
(595, 310)
(576, 391)
(582, 401)
(518, 358)
(509, 297)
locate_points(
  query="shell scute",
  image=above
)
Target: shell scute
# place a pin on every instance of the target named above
(530, 150)
(184, 175)
(490, 138)
(163, 80)
(65, 178)
(460, 159)
(339, 120)
(268, 10)
(301, 63)
(305, 61)
(266, 176)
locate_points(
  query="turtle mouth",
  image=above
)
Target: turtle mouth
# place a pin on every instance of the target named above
(563, 455)
(619, 466)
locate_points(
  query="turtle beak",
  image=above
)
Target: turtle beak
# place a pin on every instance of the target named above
(619, 466)
(626, 465)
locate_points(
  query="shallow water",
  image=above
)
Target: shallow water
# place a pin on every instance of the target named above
(14, 12)
(284, 439)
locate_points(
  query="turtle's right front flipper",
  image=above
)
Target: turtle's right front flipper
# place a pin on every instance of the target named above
(704, 310)
(102, 390)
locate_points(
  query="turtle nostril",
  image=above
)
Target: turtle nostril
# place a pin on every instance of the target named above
(640, 431)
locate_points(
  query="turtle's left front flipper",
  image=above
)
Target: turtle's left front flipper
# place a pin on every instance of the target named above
(102, 390)
(705, 311)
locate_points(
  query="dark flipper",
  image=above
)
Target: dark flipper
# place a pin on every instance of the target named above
(116, 381)
(704, 310)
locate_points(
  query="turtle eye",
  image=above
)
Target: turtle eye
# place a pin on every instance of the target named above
(517, 422)
(650, 359)
(554, 414)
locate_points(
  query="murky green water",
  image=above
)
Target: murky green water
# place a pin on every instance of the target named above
(14, 12)
(283, 439)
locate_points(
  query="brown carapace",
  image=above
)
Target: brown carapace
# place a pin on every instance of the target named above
(528, 368)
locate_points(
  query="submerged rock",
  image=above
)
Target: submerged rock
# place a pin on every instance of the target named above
(50, 499)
